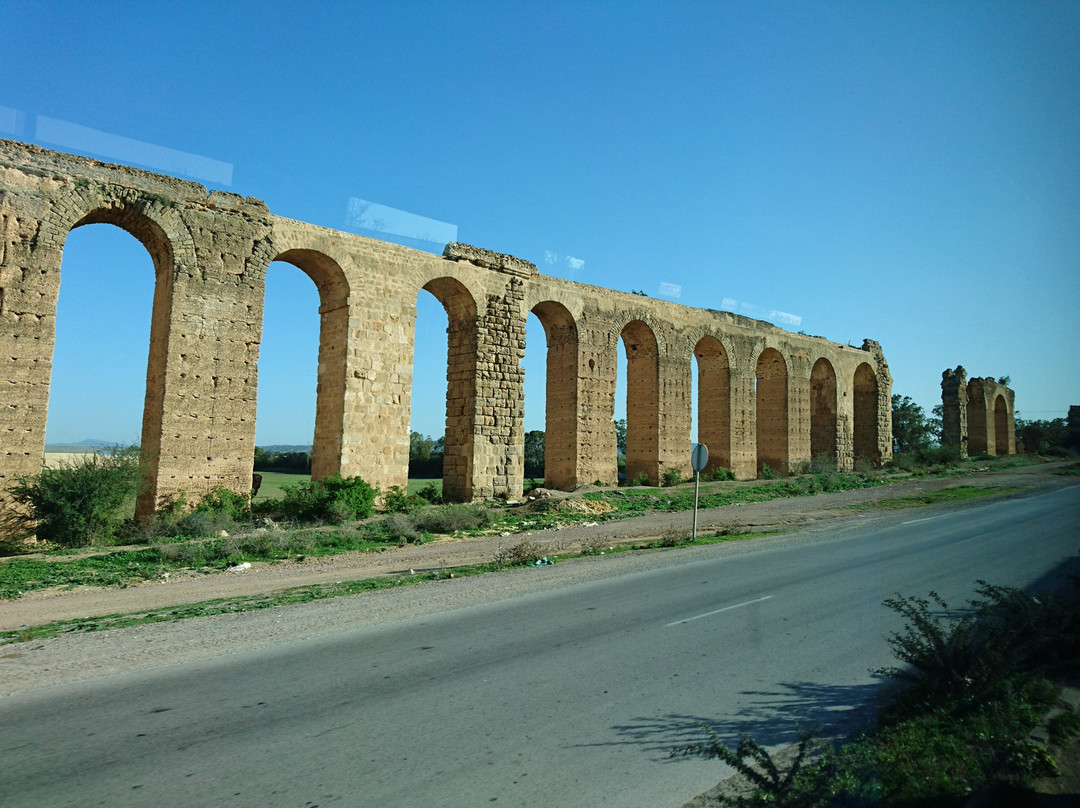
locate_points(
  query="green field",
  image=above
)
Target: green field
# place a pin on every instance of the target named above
(274, 481)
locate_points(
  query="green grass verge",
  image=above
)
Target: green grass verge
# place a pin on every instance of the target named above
(958, 494)
(313, 592)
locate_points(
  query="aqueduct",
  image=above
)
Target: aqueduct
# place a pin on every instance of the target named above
(765, 395)
(978, 416)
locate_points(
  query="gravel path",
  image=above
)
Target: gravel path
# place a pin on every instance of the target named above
(44, 606)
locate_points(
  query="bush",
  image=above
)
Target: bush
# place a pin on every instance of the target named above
(640, 479)
(431, 493)
(719, 474)
(671, 477)
(397, 500)
(450, 518)
(354, 494)
(225, 503)
(518, 555)
(77, 504)
(333, 500)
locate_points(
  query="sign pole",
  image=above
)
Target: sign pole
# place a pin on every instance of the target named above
(699, 456)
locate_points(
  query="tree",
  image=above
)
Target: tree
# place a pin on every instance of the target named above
(910, 426)
(425, 456)
(534, 453)
(620, 436)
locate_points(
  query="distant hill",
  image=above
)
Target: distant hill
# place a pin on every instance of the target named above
(88, 445)
(283, 448)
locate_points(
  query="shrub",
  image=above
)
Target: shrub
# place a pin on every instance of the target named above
(431, 493)
(518, 555)
(641, 478)
(718, 474)
(77, 504)
(766, 472)
(450, 518)
(397, 500)
(671, 477)
(398, 527)
(333, 500)
(354, 494)
(228, 504)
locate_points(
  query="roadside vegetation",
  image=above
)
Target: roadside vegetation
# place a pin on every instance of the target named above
(975, 682)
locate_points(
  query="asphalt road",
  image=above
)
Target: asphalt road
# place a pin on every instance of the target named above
(568, 697)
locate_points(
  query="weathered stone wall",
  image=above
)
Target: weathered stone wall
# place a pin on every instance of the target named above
(978, 415)
(765, 394)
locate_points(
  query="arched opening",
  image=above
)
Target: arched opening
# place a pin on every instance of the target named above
(978, 437)
(771, 401)
(642, 403)
(305, 327)
(98, 390)
(714, 401)
(865, 437)
(560, 395)
(823, 411)
(1001, 426)
(460, 365)
(112, 291)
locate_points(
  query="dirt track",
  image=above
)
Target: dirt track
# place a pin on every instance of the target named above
(47, 606)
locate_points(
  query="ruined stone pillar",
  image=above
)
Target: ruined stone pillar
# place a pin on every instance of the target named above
(798, 410)
(884, 400)
(29, 285)
(676, 415)
(199, 428)
(954, 410)
(743, 408)
(597, 452)
(499, 445)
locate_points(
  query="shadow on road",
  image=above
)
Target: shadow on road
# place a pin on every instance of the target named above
(771, 717)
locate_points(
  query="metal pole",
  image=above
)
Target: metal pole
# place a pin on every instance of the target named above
(697, 482)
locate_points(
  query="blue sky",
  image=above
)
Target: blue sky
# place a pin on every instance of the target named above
(908, 172)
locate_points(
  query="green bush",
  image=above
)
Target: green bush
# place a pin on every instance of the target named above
(671, 477)
(451, 518)
(79, 503)
(234, 507)
(397, 500)
(719, 474)
(354, 494)
(640, 479)
(333, 500)
(431, 493)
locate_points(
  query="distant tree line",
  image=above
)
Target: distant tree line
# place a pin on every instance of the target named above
(286, 462)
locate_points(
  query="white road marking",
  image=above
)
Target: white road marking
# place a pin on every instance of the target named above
(716, 611)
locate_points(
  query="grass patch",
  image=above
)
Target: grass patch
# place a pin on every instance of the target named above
(300, 594)
(958, 494)
(634, 501)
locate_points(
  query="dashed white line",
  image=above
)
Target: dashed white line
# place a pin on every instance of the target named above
(717, 611)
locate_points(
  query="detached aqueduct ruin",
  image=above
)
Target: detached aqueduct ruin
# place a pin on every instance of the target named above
(765, 395)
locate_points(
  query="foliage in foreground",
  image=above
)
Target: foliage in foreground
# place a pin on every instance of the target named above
(976, 687)
(76, 504)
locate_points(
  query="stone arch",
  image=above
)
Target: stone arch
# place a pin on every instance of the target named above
(642, 401)
(333, 287)
(714, 401)
(561, 396)
(137, 221)
(461, 367)
(866, 416)
(823, 410)
(771, 408)
(1001, 426)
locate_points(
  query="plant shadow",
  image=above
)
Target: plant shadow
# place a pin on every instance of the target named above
(773, 717)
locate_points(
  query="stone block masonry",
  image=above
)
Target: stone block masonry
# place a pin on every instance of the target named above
(766, 396)
(978, 416)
